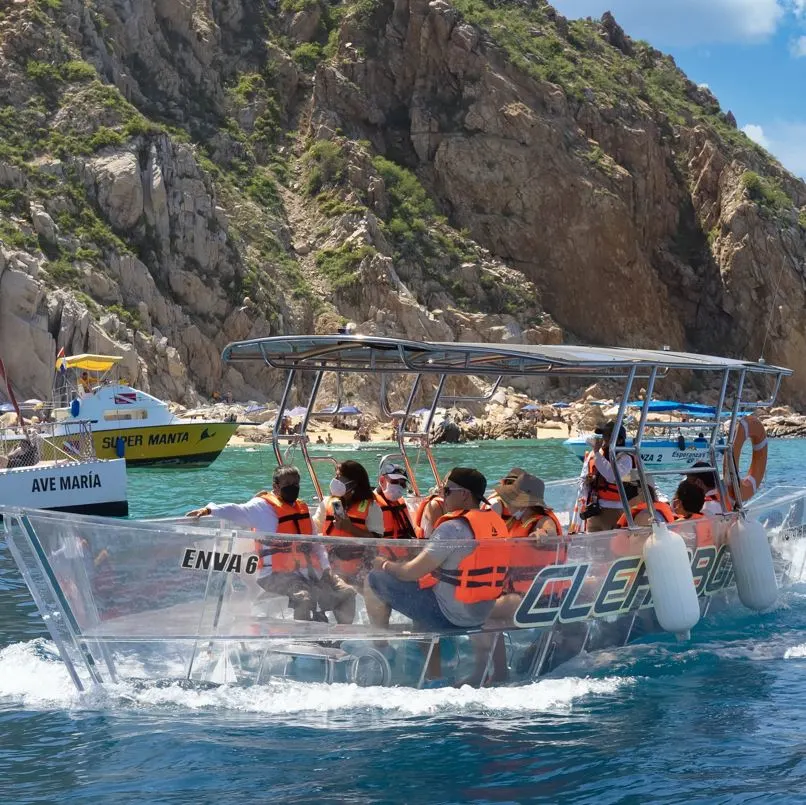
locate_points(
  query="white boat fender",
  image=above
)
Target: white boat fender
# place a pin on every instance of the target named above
(753, 564)
(674, 594)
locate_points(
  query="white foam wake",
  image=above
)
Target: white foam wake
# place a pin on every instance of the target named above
(32, 675)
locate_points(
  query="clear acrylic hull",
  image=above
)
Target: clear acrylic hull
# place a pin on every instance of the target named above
(184, 600)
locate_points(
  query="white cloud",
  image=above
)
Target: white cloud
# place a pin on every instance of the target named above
(756, 134)
(690, 22)
(784, 140)
(798, 46)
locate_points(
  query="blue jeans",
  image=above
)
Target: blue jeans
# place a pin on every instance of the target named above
(409, 599)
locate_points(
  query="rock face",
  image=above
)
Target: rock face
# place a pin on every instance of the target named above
(441, 183)
(617, 242)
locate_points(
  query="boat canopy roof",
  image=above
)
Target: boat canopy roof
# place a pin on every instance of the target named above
(90, 363)
(359, 353)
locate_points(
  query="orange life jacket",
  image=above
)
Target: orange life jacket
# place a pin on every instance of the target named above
(662, 509)
(417, 520)
(702, 530)
(480, 575)
(396, 524)
(600, 486)
(346, 560)
(529, 557)
(292, 518)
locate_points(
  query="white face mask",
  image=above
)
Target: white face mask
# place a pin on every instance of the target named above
(338, 488)
(394, 492)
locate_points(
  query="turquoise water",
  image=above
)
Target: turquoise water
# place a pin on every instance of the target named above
(717, 719)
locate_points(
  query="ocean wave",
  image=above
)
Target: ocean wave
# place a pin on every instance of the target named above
(32, 675)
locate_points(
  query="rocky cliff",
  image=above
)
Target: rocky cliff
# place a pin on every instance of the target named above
(176, 175)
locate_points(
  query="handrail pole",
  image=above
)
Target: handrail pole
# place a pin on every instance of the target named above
(639, 462)
(720, 485)
(278, 420)
(613, 449)
(303, 442)
(429, 420)
(733, 467)
(401, 435)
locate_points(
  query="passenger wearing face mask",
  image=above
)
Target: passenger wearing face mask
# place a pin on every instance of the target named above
(350, 511)
(390, 496)
(298, 569)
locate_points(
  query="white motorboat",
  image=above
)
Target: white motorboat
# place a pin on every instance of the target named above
(672, 442)
(36, 473)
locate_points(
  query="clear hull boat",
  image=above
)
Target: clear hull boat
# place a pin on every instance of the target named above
(182, 599)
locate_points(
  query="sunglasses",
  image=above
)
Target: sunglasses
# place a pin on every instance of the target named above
(446, 490)
(397, 482)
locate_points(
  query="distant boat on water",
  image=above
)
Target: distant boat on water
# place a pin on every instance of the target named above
(128, 423)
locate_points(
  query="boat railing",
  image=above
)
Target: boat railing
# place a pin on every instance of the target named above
(47, 441)
(310, 358)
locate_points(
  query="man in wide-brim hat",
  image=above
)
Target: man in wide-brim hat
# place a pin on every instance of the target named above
(524, 496)
(495, 501)
(536, 524)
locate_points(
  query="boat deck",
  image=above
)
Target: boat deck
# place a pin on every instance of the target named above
(246, 619)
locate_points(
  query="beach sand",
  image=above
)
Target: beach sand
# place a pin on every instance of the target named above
(382, 434)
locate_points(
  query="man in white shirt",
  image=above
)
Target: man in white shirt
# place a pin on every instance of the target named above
(310, 582)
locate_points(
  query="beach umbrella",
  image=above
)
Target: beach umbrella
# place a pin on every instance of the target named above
(561, 405)
(397, 414)
(530, 407)
(421, 411)
(6, 407)
(298, 411)
(349, 410)
(253, 409)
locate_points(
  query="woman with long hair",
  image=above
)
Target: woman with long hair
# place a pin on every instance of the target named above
(350, 511)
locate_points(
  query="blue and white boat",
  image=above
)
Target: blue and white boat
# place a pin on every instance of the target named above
(674, 443)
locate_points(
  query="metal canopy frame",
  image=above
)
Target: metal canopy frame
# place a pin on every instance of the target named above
(356, 353)
(318, 354)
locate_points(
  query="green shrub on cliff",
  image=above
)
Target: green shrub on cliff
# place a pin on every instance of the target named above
(325, 165)
(340, 265)
(766, 192)
(575, 56)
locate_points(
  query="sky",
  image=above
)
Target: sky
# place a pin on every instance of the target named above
(750, 53)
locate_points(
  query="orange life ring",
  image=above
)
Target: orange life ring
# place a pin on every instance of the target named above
(751, 426)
